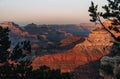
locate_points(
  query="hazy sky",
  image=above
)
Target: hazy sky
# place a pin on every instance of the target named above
(46, 11)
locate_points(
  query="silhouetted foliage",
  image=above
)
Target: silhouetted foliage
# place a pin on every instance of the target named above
(108, 69)
(4, 44)
(111, 12)
(45, 72)
(16, 53)
(20, 50)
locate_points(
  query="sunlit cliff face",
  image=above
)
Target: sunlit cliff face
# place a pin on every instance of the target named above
(96, 45)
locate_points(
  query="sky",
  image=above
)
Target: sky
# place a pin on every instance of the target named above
(46, 11)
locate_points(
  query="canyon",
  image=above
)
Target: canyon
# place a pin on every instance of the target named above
(83, 58)
(76, 49)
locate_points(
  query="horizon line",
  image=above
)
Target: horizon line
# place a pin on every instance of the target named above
(24, 24)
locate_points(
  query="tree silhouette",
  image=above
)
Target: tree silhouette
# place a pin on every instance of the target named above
(20, 50)
(16, 53)
(4, 44)
(44, 72)
(111, 13)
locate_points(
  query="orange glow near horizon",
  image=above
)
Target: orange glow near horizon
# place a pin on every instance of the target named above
(45, 11)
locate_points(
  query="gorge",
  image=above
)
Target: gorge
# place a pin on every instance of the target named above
(65, 49)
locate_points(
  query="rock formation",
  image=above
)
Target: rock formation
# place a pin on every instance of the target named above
(83, 51)
(16, 33)
(14, 28)
(110, 67)
(80, 54)
(95, 46)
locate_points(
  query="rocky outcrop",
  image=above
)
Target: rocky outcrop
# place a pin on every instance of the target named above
(110, 67)
(16, 30)
(108, 24)
(82, 29)
(16, 33)
(70, 59)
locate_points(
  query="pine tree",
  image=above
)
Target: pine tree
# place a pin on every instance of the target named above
(4, 44)
(112, 13)
(21, 50)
